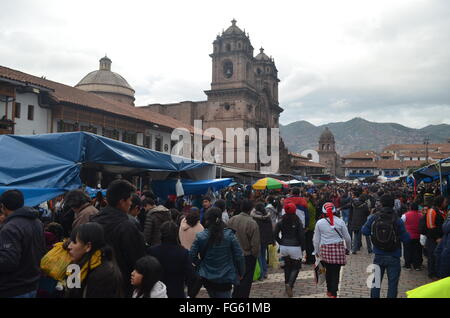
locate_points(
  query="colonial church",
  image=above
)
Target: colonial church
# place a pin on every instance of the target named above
(328, 155)
(243, 94)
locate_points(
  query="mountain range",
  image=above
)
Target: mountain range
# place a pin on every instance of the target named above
(359, 134)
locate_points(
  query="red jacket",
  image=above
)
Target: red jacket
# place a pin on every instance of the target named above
(412, 223)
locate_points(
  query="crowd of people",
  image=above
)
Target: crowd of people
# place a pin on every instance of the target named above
(131, 244)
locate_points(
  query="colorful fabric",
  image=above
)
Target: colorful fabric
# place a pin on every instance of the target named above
(333, 253)
(269, 183)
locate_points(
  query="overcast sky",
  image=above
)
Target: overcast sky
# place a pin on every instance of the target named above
(384, 61)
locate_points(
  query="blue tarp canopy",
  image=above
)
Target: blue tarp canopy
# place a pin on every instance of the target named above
(93, 192)
(35, 196)
(167, 187)
(51, 163)
(432, 172)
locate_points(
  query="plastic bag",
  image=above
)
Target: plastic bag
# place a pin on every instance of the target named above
(257, 272)
(54, 263)
(319, 272)
(273, 257)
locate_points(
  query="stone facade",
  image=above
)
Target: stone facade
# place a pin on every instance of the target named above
(243, 94)
(328, 155)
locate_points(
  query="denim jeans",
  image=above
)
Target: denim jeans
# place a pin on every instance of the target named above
(391, 265)
(345, 215)
(218, 294)
(357, 241)
(31, 294)
(263, 260)
(243, 289)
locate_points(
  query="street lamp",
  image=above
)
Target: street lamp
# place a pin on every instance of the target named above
(426, 143)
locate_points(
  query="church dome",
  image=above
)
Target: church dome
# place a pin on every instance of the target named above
(326, 135)
(262, 56)
(234, 29)
(107, 83)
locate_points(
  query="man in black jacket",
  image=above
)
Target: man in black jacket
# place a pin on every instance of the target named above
(358, 217)
(22, 245)
(121, 233)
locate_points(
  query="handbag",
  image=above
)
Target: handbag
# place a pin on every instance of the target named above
(319, 272)
(197, 281)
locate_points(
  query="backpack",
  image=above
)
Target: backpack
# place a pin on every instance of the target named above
(384, 232)
(423, 225)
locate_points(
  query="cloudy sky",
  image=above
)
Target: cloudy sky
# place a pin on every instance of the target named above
(385, 61)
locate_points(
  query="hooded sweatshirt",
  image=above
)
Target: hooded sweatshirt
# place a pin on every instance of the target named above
(22, 245)
(124, 237)
(158, 291)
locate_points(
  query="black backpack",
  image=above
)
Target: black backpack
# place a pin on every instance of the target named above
(384, 232)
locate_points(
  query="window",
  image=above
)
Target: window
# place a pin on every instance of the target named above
(130, 138)
(228, 47)
(30, 112)
(158, 144)
(17, 114)
(109, 133)
(148, 141)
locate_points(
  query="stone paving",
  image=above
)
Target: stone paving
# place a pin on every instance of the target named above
(352, 283)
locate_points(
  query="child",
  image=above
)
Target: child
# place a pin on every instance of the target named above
(146, 279)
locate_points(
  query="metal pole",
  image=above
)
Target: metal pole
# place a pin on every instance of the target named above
(440, 179)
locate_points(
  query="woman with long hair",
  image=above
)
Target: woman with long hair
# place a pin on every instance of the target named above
(146, 279)
(100, 276)
(218, 256)
(292, 242)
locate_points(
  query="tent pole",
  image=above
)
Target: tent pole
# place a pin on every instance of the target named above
(440, 179)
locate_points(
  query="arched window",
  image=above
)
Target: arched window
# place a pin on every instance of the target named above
(228, 47)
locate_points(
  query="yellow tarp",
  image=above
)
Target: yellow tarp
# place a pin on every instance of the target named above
(438, 289)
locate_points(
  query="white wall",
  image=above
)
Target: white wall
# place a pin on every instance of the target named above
(40, 123)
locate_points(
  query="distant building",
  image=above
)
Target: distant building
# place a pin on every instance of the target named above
(395, 160)
(328, 155)
(302, 166)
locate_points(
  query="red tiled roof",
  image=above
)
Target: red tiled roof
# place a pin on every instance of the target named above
(309, 164)
(406, 147)
(361, 164)
(365, 154)
(297, 155)
(68, 94)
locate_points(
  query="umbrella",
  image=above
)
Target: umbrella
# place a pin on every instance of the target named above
(269, 183)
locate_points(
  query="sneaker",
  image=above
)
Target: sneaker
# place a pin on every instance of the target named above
(289, 292)
(418, 269)
(354, 253)
(330, 295)
(407, 268)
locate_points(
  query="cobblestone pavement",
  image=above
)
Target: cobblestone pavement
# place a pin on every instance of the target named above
(352, 283)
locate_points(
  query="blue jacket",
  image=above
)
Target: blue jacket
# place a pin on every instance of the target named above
(442, 252)
(223, 262)
(404, 235)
